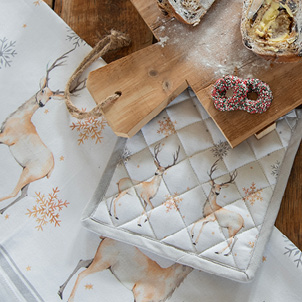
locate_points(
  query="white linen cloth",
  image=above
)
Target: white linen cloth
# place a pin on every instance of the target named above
(41, 238)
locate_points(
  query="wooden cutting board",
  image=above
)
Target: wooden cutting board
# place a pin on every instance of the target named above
(184, 56)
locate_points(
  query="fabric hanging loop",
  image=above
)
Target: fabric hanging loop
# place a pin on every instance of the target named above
(113, 41)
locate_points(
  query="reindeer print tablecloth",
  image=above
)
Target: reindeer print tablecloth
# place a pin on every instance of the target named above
(178, 189)
(157, 187)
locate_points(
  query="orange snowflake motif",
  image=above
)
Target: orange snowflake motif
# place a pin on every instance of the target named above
(89, 286)
(172, 202)
(91, 127)
(252, 244)
(37, 2)
(47, 209)
(252, 194)
(166, 126)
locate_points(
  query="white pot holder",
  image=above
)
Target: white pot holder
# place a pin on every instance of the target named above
(177, 189)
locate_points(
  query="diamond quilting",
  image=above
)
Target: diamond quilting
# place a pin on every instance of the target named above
(202, 162)
(159, 128)
(180, 178)
(180, 240)
(239, 156)
(119, 173)
(252, 179)
(244, 248)
(199, 108)
(216, 134)
(272, 143)
(284, 131)
(271, 165)
(135, 144)
(187, 136)
(125, 207)
(257, 203)
(165, 222)
(179, 183)
(140, 166)
(228, 193)
(205, 235)
(191, 205)
(184, 114)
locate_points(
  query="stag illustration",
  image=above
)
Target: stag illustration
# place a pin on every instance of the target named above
(146, 279)
(146, 190)
(212, 211)
(20, 134)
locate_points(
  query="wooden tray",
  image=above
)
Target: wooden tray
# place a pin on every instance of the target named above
(192, 56)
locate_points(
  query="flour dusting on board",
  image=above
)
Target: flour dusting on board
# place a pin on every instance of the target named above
(216, 43)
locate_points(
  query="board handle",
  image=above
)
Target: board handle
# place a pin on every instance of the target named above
(147, 81)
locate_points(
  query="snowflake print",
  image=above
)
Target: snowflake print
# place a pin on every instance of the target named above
(172, 202)
(125, 156)
(221, 149)
(37, 2)
(89, 286)
(275, 169)
(252, 244)
(166, 126)
(91, 127)
(74, 38)
(47, 209)
(252, 194)
(7, 52)
(293, 251)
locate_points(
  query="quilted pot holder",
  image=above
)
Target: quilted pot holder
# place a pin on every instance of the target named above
(178, 190)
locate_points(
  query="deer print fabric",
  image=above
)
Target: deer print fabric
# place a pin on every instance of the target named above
(159, 193)
(181, 190)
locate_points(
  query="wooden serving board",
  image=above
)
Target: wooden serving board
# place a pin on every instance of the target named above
(151, 78)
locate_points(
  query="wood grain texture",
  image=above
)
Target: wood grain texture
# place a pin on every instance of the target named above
(184, 57)
(289, 220)
(92, 20)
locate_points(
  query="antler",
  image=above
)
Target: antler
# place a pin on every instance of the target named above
(232, 178)
(213, 169)
(156, 151)
(175, 157)
(55, 64)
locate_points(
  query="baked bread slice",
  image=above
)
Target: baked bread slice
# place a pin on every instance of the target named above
(186, 11)
(272, 30)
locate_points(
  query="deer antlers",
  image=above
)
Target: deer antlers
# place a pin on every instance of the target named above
(214, 168)
(58, 62)
(157, 149)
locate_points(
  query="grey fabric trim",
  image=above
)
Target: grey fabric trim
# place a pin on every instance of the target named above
(24, 287)
(106, 178)
(173, 254)
(276, 198)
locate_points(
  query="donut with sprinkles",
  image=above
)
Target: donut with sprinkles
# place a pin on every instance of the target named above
(264, 99)
(221, 86)
(239, 100)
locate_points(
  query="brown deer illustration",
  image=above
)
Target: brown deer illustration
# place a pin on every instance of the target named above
(212, 211)
(146, 190)
(19, 133)
(144, 277)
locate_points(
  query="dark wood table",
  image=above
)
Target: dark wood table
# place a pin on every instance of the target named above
(92, 19)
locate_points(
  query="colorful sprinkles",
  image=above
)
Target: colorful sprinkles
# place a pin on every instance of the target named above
(239, 100)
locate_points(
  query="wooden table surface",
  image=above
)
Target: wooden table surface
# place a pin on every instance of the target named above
(92, 19)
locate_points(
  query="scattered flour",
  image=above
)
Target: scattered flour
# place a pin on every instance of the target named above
(216, 43)
(163, 41)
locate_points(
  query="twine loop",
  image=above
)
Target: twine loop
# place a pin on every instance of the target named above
(113, 41)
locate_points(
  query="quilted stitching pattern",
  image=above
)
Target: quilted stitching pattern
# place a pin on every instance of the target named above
(184, 188)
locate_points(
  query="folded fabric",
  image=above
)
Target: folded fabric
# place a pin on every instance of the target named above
(42, 240)
(177, 189)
